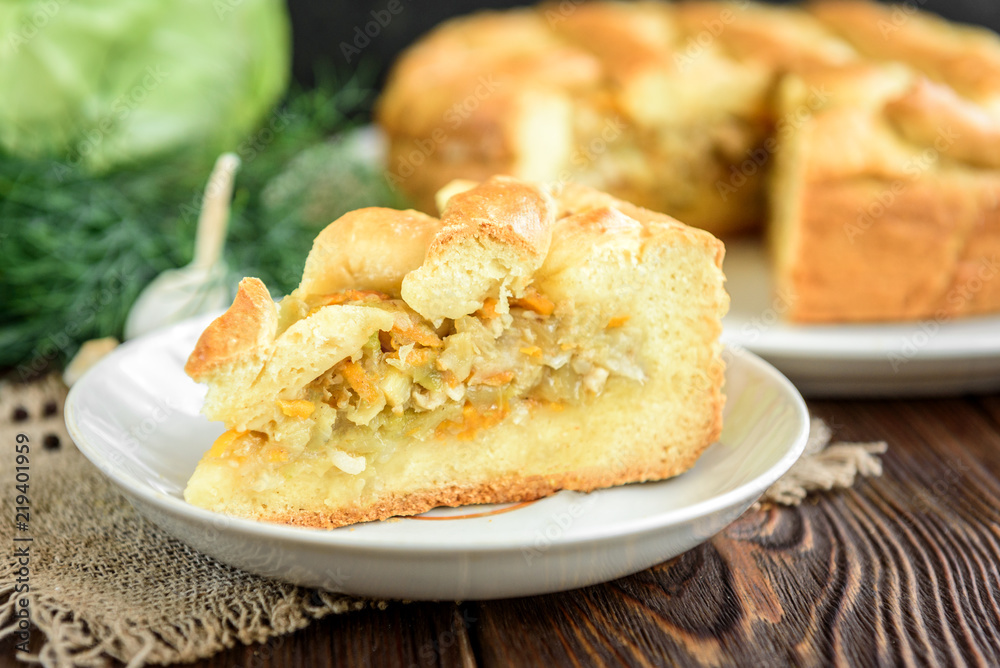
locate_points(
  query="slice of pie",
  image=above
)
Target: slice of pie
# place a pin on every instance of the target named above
(531, 340)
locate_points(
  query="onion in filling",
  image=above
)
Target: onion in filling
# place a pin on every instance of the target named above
(423, 381)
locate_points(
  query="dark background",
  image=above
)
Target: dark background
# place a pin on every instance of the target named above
(319, 26)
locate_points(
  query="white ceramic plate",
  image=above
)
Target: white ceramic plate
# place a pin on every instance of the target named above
(136, 416)
(906, 359)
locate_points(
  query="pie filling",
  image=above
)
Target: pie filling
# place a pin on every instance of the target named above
(420, 381)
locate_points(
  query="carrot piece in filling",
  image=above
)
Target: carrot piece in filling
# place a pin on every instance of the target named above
(406, 331)
(535, 301)
(494, 380)
(618, 320)
(300, 408)
(361, 382)
(489, 309)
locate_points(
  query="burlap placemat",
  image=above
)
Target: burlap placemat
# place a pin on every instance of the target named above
(104, 583)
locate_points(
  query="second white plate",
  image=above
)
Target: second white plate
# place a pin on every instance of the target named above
(904, 359)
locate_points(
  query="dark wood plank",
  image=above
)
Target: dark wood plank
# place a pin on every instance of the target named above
(900, 570)
(417, 635)
(991, 406)
(423, 635)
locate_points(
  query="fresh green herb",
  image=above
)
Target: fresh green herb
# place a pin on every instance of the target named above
(76, 249)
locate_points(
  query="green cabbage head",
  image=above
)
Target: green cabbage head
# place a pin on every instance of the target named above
(106, 82)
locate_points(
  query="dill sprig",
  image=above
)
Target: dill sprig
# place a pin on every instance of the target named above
(77, 248)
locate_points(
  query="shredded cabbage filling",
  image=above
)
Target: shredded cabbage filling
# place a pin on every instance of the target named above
(423, 381)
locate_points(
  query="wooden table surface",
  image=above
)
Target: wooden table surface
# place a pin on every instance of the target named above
(900, 570)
